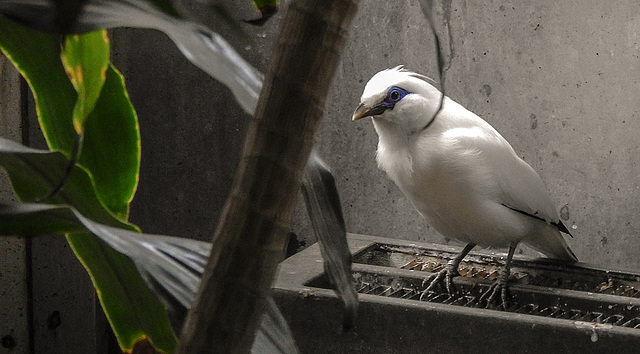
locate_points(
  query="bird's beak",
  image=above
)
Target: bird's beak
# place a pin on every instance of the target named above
(361, 112)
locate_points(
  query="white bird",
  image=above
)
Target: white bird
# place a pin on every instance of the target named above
(459, 173)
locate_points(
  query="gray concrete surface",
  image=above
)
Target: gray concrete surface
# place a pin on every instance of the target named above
(14, 303)
(192, 129)
(47, 302)
(558, 80)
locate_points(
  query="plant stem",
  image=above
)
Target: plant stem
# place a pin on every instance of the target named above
(250, 238)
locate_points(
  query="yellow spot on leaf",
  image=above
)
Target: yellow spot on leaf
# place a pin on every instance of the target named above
(143, 346)
(79, 77)
(105, 36)
(77, 125)
(70, 74)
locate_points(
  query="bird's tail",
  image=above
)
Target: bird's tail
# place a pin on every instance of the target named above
(551, 243)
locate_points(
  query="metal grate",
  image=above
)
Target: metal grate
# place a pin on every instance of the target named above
(625, 318)
(490, 271)
(540, 288)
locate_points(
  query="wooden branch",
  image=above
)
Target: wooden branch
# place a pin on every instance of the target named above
(248, 243)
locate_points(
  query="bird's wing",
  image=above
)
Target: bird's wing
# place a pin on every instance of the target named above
(520, 187)
(516, 184)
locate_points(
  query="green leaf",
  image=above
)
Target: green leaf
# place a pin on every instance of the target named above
(37, 56)
(267, 9)
(171, 266)
(100, 186)
(174, 267)
(111, 148)
(132, 309)
(264, 3)
(33, 173)
(204, 48)
(86, 58)
(323, 206)
(31, 219)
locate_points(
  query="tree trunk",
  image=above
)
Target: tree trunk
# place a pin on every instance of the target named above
(249, 240)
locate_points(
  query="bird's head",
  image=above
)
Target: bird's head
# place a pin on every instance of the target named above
(398, 97)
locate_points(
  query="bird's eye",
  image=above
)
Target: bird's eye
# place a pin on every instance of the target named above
(394, 95)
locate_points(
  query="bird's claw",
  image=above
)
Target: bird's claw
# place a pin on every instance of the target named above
(436, 279)
(491, 295)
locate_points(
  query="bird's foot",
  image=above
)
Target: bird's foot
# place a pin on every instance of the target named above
(497, 291)
(443, 276)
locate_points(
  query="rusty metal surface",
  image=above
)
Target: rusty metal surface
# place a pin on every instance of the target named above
(541, 272)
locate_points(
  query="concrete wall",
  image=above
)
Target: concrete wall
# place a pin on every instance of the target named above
(14, 291)
(47, 302)
(557, 79)
(192, 129)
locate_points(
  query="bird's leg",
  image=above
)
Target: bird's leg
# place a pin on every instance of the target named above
(500, 285)
(450, 271)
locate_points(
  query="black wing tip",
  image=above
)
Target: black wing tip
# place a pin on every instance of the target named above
(562, 228)
(575, 258)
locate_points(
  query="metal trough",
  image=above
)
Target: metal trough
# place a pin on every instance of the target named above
(554, 307)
